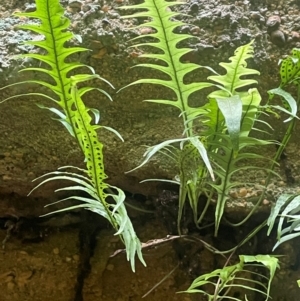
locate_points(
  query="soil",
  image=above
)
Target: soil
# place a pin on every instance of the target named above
(75, 263)
(50, 269)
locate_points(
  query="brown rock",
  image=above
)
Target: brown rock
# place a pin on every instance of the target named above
(273, 23)
(243, 191)
(278, 38)
(295, 36)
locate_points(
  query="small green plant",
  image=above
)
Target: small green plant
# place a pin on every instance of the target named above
(168, 61)
(287, 206)
(219, 283)
(208, 161)
(63, 83)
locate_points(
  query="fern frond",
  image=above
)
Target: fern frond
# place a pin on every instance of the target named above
(230, 116)
(76, 117)
(53, 27)
(234, 71)
(166, 58)
(290, 69)
(236, 276)
(230, 100)
(229, 111)
(162, 20)
(115, 213)
(287, 209)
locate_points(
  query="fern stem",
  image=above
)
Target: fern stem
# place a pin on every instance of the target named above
(223, 195)
(205, 209)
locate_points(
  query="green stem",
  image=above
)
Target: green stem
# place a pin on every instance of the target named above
(205, 209)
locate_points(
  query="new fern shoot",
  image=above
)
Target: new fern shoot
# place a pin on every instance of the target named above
(54, 60)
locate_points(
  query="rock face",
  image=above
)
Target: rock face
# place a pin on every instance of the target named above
(31, 143)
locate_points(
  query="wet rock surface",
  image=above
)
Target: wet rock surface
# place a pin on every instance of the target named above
(32, 144)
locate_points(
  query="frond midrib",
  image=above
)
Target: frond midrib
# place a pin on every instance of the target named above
(179, 87)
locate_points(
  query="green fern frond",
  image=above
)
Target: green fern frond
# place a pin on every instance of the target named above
(236, 276)
(103, 199)
(230, 99)
(53, 27)
(237, 68)
(166, 58)
(229, 110)
(287, 209)
(290, 69)
(226, 151)
(116, 213)
(230, 116)
(90, 145)
(166, 44)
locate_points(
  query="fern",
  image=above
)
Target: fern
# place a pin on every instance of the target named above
(235, 69)
(287, 205)
(230, 100)
(103, 198)
(166, 58)
(228, 117)
(236, 276)
(287, 208)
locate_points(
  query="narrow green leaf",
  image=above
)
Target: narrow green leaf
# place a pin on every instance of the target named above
(285, 238)
(151, 151)
(291, 205)
(231, 109)
(289, 99)
(282, 200)
(203, 153)
(113, 131)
